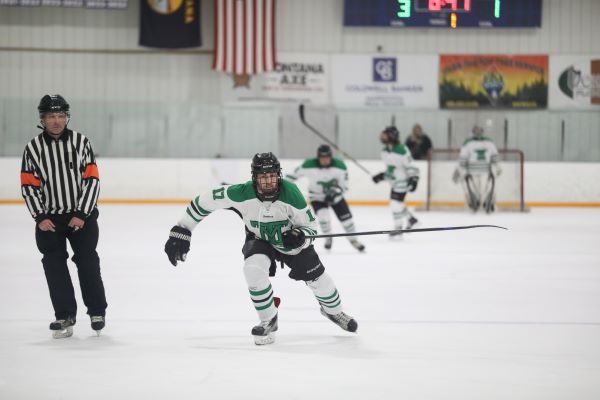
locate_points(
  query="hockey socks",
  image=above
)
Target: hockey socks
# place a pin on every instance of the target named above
(326, 294)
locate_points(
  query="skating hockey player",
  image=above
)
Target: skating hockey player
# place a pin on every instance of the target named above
(477, 171)
(401, 174)
(60, 184)
(327, 183)
(277, 220)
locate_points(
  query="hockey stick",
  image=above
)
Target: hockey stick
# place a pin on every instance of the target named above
(335, 146)
(446, 228)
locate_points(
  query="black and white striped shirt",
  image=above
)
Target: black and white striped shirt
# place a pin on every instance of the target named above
(59, 176)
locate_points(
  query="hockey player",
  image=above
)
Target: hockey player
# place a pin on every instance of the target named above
(277, 220)
(328, 181)
(477, 171)
(402, 175)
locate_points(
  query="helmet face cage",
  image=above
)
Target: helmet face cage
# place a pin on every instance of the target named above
(263, 163)
(477, 131)
(324, 151)
(392, 135)
(53, 104)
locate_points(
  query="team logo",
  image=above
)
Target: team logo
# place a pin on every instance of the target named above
(569, 80)
(493, 83)
(165, 6)
(384, 70)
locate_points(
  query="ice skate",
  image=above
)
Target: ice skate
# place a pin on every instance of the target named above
(412, 221)
(98, 323)
(264, 333)
(342, 320)
(357, 245)
(62, 328)
(328, 243)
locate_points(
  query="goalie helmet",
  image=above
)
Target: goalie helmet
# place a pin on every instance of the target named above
(53, 103)
(324, 151)
(263, 163)
(477, 131)
(390, 135)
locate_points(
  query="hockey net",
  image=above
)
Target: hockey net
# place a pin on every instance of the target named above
(444, 194)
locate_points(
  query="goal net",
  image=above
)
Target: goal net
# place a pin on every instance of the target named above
(444, 194)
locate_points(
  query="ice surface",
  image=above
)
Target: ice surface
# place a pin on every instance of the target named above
(480, 314)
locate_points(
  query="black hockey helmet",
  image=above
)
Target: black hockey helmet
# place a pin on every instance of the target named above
(263, 163)
(324, 150)
(390, 135)
(53, 103)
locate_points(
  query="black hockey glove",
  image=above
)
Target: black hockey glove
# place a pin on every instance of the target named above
(293, 238)
(379, 177)
(413, 181)
(178, 244)
(333, 195)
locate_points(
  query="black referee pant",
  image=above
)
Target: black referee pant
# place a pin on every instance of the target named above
(53, 246)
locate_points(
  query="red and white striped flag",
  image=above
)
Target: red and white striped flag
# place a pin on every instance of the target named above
(244, 36)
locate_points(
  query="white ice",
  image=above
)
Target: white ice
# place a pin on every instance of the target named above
(479, 314)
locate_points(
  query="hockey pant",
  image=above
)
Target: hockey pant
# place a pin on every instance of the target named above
(53, 246)
(400, 212)
(480, 191)
(342, 211)
(306, 266)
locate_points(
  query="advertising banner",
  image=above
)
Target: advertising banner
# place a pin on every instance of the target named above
(170, 24)
(493, 81)
(98, 4)
(398, 81)
(298, 77)
(575, 82)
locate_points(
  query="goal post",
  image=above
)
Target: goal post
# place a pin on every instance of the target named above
(444, 194)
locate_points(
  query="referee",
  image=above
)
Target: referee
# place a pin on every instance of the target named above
(60, 185)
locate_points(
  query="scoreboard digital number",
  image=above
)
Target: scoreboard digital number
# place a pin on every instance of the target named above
(444, 13)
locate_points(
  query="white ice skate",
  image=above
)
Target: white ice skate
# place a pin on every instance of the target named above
(342, 320)
(264, 333)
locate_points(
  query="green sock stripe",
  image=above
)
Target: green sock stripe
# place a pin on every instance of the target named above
(335, 305)
(264, 307)
(335, 292)
(191, 216)
(260, 292)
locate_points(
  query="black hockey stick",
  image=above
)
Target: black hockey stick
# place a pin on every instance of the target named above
(335, 146)
(446, 228)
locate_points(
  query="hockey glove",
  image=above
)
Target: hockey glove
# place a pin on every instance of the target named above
(178, 244)
(293, 238)
(334, 195)
(413, 181)
(379, 177)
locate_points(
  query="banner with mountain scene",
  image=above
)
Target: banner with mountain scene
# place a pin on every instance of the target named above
(493, 81)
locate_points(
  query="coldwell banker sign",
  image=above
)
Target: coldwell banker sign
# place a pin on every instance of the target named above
(575, 82)
(401, 81)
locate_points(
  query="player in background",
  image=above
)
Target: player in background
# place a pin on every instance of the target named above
(401, 174)
(328, 181)
(277, 220)
(477, 171)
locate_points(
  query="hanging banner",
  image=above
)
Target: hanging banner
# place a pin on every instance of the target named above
(398, 81)
(493, 81)
(170, 24)
(575, 82)
(99, 4)
(297, 77)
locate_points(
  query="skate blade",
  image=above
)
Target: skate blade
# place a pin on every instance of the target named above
(98, 332)
(262, 340)
(63, 333)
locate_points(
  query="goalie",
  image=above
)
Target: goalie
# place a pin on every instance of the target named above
(478, 170)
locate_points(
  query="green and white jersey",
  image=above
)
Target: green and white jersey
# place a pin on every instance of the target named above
(399, 167)
(320, 180)
(478, 155)
(266, 220)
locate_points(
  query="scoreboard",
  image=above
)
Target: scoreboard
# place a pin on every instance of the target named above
(444, 13)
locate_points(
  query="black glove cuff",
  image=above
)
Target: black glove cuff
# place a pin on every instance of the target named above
(180, 233)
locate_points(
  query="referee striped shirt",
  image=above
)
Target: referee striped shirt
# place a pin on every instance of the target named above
(59, 176)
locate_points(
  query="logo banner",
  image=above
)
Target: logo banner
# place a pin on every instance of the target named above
(398, 81)
(297, 77)
(493, 81)
(170, 24)
(575, 82)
